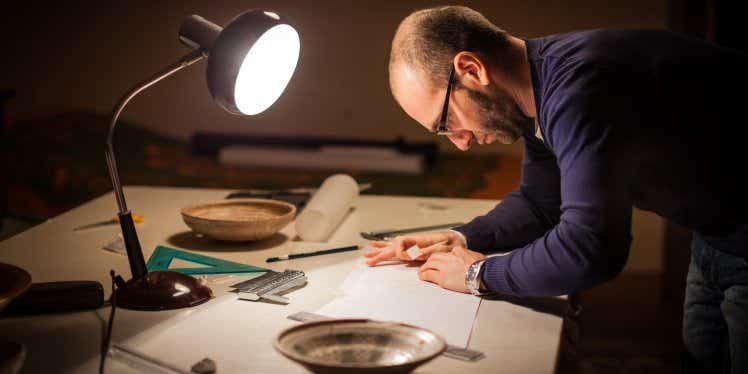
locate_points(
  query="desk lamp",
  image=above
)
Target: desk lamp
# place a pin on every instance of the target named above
(250, 62)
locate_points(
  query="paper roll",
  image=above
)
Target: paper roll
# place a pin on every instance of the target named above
(326, 209)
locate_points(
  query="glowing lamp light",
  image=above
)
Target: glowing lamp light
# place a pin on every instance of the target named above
(267, 69)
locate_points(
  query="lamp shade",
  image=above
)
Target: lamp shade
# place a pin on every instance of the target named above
(251, 62)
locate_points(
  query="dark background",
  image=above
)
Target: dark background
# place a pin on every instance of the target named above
(65, 64)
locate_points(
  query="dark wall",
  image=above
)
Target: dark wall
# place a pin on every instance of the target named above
(82, 55)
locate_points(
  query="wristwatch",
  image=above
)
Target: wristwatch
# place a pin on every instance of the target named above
(474, 279)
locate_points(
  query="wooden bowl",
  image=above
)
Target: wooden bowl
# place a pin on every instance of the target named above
(239, 220)
(360, 346)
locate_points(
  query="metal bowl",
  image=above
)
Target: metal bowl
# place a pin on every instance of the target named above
(239, 220)
(12, 356)
(13, 282)
(359, 346)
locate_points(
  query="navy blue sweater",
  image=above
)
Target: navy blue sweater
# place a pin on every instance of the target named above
(650, 119)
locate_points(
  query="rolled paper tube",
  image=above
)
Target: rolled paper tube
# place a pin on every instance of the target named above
(327, 208)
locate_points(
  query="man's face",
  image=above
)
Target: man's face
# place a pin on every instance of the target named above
(474, 116)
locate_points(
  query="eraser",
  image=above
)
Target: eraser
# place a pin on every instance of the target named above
(413, 252)
(117, 245)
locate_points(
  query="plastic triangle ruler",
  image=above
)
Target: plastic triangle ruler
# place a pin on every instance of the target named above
(162, 257)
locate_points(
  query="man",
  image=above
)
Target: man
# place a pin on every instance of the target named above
(610, 119)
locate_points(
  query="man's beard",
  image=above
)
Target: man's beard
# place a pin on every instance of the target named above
(500, 115)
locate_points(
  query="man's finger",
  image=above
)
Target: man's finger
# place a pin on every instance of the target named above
(379, 244)
(466, 254)
(402, 253)
(374, 252)
(436, 247)
(385, 254)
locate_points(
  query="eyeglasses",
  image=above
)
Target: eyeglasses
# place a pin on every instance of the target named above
(442, 128)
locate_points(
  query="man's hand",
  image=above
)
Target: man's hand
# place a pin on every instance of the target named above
(448, 269)
(429, 243)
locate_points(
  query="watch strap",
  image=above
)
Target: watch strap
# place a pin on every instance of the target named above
(473, 278)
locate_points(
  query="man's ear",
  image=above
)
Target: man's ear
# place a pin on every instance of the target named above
(471, 70)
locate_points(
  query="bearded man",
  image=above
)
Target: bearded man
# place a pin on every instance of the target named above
(610, 119)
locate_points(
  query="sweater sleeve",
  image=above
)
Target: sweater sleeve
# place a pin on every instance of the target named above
(585, 128)
(524, 214)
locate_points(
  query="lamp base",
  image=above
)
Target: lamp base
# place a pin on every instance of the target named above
(162, 290)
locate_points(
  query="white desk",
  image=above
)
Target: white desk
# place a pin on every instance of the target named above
(516, 339)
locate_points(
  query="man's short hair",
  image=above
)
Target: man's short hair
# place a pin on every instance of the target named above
(429, 39)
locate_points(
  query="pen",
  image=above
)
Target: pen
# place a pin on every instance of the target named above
(315, 253)
(135, 218)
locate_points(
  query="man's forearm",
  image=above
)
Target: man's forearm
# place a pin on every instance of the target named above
(513, 223)
(565, 259)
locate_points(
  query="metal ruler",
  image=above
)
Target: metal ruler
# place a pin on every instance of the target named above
(269, 285)
(389, 234)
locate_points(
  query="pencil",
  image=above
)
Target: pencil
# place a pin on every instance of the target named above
(315, 253)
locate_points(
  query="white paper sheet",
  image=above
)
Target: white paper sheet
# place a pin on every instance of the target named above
(237, 335)
(393, 292)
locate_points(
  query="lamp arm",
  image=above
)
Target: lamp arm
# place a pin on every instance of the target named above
(111, 161)
(130, 236)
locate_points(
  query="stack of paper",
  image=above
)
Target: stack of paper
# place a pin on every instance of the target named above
(393, 292)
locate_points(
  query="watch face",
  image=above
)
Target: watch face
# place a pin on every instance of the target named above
(476, 267)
